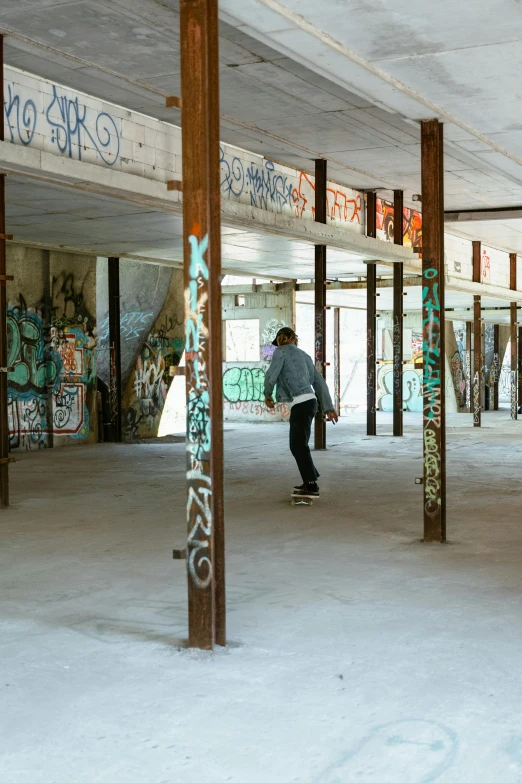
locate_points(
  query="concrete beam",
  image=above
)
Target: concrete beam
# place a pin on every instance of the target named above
(498, 213)
(351, 285)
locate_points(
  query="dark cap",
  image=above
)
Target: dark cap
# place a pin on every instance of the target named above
(287, 333)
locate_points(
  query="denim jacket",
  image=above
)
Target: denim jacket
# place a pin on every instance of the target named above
(295, 373)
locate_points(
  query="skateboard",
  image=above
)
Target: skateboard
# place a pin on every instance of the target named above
(303, 500)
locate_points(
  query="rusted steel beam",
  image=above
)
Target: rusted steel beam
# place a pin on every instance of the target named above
(320, 295)
(434, 416)
(371, 214)
(115, 392)
(173, 102)
(398, 307)
(202, 269)
(477, 363)
(4, 422)
(496, 364)
(337, 359)
(371, 350)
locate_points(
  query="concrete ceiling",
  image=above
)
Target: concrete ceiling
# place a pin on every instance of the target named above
(52, 215)
(345, 80)
(459, 306)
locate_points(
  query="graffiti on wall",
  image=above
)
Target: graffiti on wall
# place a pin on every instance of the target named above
(243, 394)
(151, 382)
(51, 353)
(284, 190)
(411, 224)
(411, 388)
(70, 125)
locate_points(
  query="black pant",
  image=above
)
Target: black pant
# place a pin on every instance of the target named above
(301, 418)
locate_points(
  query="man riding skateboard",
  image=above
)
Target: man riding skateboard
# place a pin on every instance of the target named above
(300, 386)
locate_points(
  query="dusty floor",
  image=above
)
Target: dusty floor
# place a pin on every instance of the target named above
(356, 652)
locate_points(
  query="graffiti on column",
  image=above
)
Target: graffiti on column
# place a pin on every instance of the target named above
(432, 391)
(319, 341)
(397, 356)
(476, 398)
(513, 394)
(199, 514)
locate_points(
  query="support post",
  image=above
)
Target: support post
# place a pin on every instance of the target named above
(115, 350)
(4, 421)
(496, 364)
(320, 296)
(371, 346)
(477, 362)
(514, 360)
(513, 335)
(433, 349)
(202, 273)
(398, 320)
(519, 368)
(337, 359)
(469, 404)
(371, 214)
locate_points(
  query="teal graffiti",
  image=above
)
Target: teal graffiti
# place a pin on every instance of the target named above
(244, 384)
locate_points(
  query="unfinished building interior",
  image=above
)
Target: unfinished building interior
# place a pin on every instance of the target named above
(179, 181)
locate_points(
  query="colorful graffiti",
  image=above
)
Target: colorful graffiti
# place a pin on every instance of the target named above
(150, 383)
(199, 434)
(432, 377)
(281, 190)
(411, 224)
(51, 356)
(66, 121)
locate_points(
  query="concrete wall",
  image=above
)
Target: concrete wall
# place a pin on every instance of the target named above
(243, 382)
(51, 348)
(152, 339)
(412, 374)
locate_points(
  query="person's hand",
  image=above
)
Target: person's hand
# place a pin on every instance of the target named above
(269, 402)
(332, 416)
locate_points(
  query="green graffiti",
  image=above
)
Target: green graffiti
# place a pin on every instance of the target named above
(244, 384)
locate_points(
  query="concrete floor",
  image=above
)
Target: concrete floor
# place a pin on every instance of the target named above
(356, 652)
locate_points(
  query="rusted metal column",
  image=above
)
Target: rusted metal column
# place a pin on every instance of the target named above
(476, 404)
(4, 423)
(371, 346)
(469, 403)
(202, 266)
(398, 320)
(114, 349)
(320, 296)
(519, 367)
(513, 335)
(496, 364)
(477, 362)
(514, 360)
(433, 349)
(371, 214)
(337, 359)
